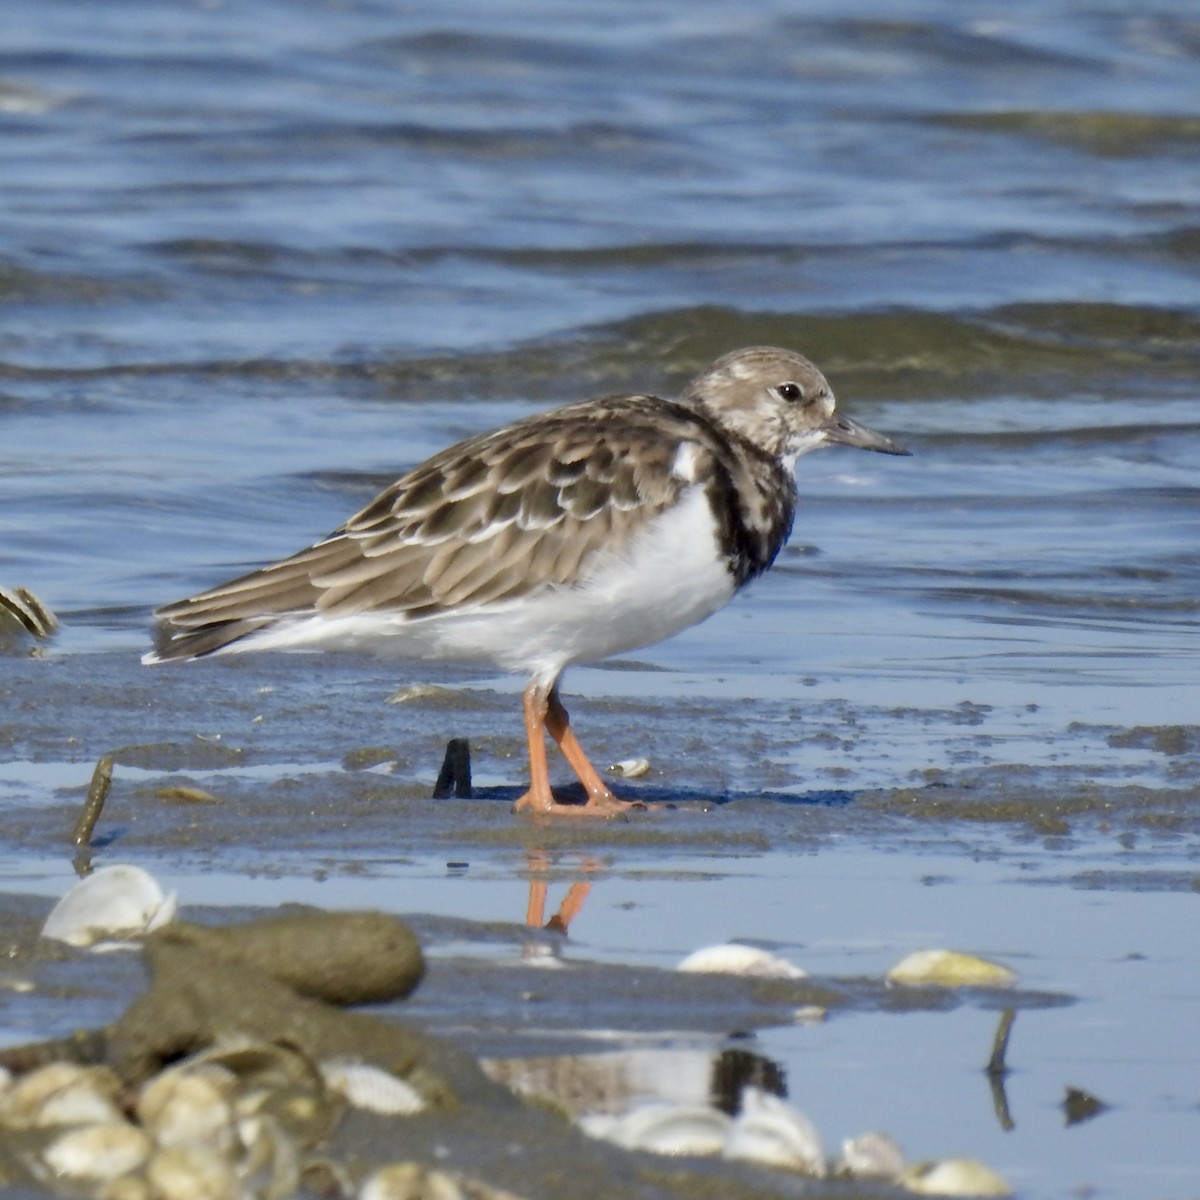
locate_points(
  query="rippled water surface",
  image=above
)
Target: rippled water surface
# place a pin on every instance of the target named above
(255, 258)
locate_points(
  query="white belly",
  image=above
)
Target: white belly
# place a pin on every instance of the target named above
(670, 577)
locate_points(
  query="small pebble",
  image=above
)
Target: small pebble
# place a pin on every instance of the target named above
(185, 795)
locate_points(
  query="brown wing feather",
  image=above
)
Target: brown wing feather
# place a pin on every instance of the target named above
(495, 517)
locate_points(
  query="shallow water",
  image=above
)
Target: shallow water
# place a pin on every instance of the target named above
(1112, 955)
(255, 259)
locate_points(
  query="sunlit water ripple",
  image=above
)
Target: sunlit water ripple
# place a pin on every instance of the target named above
(255, 259)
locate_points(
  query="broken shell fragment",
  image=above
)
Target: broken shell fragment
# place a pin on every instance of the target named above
(185, 795)
(949, 968)
(23, 607)
(734, 958)
(871, 1155)
(430, 693)
(954, 1177)
(118, 902)
(271, 1160)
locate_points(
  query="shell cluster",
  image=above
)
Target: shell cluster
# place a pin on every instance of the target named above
(236, 1122)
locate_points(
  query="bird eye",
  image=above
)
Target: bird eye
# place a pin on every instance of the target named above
(789, 391)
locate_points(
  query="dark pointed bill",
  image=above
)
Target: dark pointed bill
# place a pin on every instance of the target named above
(842, 431)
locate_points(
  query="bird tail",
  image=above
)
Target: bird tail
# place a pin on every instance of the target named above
(175, 642)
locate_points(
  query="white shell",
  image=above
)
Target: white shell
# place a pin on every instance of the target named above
(272, 1158)
(371, 1088)
(770, 1131)
(734, 958)
(62, 1093)
(98, 1151)
(191, 1172)
(631, 768)
(949, 968)
(83, 1105)
(114, 902)
(188, 1105)
(663, 1129)
(128, 1187)
(872, 1155)
(402, 1181)
(954, 1177)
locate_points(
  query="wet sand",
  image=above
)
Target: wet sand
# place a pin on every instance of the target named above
(551, 943)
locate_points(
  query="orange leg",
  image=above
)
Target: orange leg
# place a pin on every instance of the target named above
(569, 909)
(558, 726)
(543, 709)
(535, 910)
(539, 797)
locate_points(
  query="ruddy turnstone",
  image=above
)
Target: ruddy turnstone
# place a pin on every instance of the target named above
(563, 538)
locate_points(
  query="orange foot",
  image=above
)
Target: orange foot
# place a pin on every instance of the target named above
(543, 709)
(608, 808)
